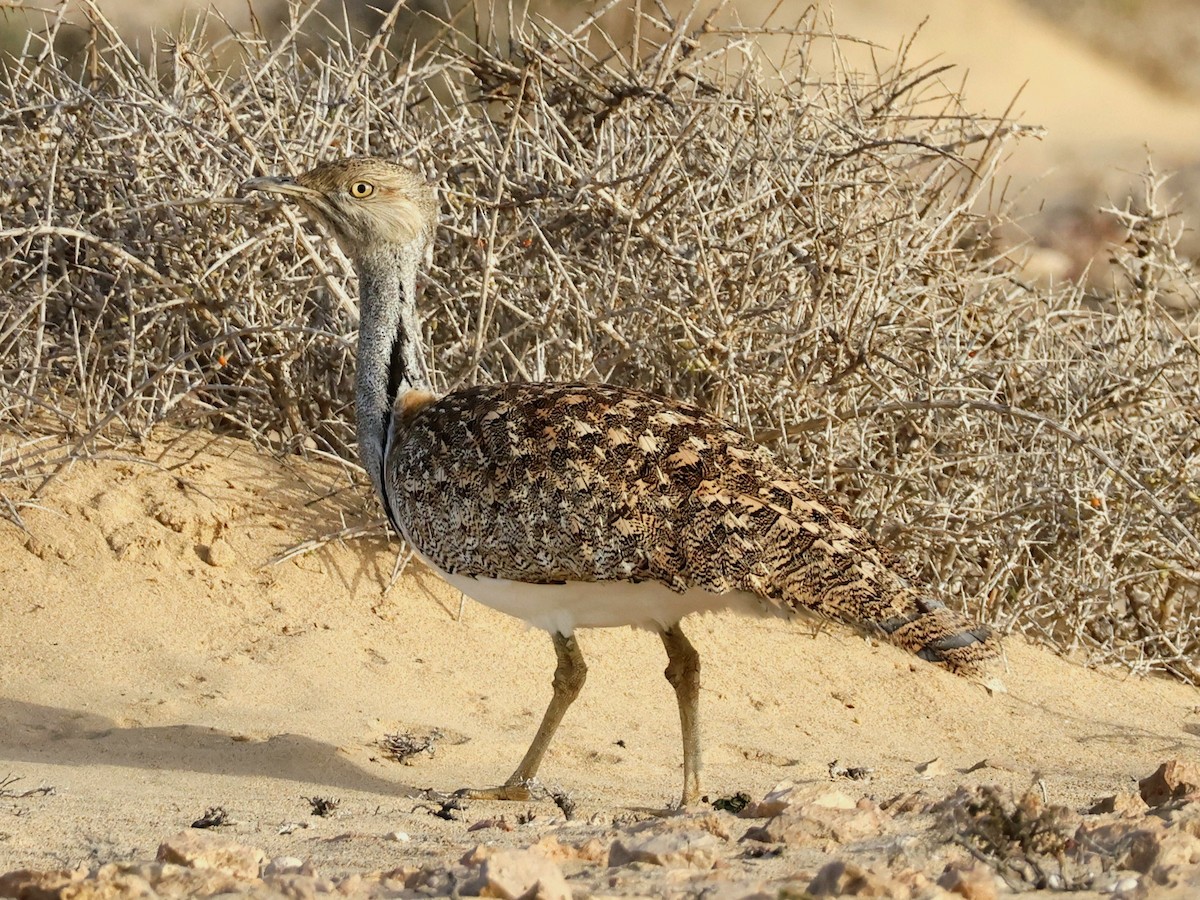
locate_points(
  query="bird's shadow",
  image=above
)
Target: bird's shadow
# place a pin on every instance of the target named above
(49, 735)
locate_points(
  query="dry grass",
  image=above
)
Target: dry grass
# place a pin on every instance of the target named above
(806, 256)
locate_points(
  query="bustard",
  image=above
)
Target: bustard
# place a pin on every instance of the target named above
(586, 505)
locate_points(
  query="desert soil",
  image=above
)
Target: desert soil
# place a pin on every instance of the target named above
(156, 662)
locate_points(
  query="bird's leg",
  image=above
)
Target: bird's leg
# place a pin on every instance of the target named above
(683, 671)
(569, 676)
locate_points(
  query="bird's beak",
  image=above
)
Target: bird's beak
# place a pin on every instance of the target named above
(278, 184)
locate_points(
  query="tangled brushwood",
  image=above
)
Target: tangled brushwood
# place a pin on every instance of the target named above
(808, 255)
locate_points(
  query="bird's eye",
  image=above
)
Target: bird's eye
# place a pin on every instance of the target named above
(362, 189)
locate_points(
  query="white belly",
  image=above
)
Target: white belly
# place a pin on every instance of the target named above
(598, 604)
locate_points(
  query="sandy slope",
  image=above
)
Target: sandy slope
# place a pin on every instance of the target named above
(145, 683)
(1100, 117)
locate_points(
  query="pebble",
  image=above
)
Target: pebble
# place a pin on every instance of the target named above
(847, 879)
(1126, 804)
(816, 824)
(511, 874)
(973, 881)
(935, 768)
(787, 794)
(283, 864)
(1173, 780)
(691, 849)
(198, 850)
(219, 554)
(1129, 852)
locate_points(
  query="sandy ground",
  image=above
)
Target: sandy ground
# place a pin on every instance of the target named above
(1100, 117)
(154, 662)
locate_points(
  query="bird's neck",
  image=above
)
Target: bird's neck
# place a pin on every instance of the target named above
(391, 360)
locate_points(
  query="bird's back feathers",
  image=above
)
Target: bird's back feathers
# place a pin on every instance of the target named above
(549, 483)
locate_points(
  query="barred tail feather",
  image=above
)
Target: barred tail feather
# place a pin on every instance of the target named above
(938, 634)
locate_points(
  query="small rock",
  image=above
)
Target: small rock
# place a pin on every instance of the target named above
(400, 837)
(218, 554)
(477, 855)
(281, 865)
(787, 794)
(815, 823)
(995, 686)
(170, 880)
(125, 541)
(1173, 780)
(502, 823)
(1126, 805)
(935, 768)
(591, 850)
(520, 873)
(691, 849)
(733, 890)
(825, 799)
(715, 823)
(974, 881)
(136, 881)
(910, 801)
(295, 886)
(403, 876)
(30, 883)
(171, 516)
(50, 547)
(200, 850)
(1113, 839)
(1001, 763)
(845, 879)
(775, 802)
(1165, 856)
(854, 773)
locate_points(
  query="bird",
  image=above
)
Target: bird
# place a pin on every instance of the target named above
(589, 505)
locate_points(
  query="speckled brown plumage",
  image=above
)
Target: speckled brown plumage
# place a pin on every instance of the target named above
(588, 482)
(586, 505)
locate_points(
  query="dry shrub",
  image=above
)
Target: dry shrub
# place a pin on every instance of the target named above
(805, 255)
(1026, 840)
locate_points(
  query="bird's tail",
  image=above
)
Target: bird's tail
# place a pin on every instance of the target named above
(876, 594)
(940, 635)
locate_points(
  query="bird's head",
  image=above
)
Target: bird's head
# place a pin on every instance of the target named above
(368, 204)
